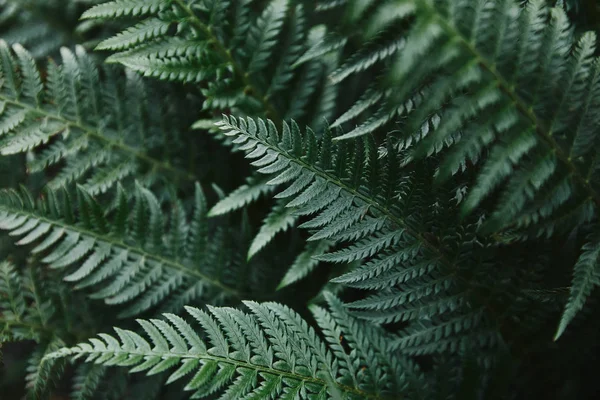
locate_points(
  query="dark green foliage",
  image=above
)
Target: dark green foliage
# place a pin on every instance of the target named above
(336, 199)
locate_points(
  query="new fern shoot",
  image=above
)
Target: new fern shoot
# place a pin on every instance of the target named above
(290, 199)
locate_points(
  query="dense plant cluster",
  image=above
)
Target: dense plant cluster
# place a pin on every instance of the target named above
(288, 199)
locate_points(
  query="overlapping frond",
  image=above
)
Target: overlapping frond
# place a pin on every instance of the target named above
(269, 352)
(129, 258)
(492, 84)
(504, 93)
(103, 130)
(414, 265)
(244, 55)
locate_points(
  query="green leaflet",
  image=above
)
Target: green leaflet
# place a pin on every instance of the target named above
(278, 220)
(242, 196)
(120, 8)
(305, 263)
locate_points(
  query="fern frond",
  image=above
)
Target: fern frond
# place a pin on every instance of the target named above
(515, 104)
(505, 92)
(28, 306)
(269, 352)
(327, 44)
(36, 307)
(42, 376)
(87, 380)
(12, 302)
(81, 117)
(264, 34)
(226, 44)
(338, 187)
(96, 252)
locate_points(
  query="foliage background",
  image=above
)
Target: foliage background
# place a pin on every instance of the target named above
(546, 369)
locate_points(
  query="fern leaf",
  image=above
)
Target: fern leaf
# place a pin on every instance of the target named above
(517, 80)
(121, 272)
(70, 112)
(248, 193)
(279, 220)
(144, 31)
(404, 264)
(263, 34)
(41, 375)
(224, 44)
(241, 348)
(328, 44)
(13, 301)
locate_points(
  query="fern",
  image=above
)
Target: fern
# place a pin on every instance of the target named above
(247, 58)
(496, 100)
(253, 354)
(78, 119)
(35, 306)
(242, 196)
(305, 262)
(528, 123)
(584, 280)
(98, 254)
(438, 158)
(18, 323)
(415, 276)
(223, 43)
